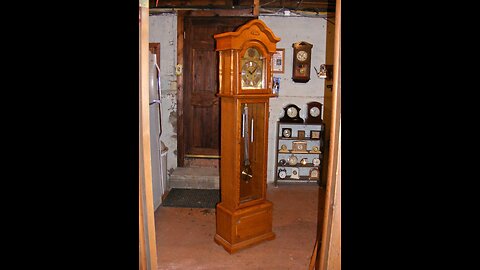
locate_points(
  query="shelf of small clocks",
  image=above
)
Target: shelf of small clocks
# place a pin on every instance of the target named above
(303, 165)
(295, 127)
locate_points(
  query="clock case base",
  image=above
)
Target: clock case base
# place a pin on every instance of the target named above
(244, 227)
(301, 80)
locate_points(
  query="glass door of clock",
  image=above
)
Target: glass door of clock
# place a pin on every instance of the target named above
(253, 168)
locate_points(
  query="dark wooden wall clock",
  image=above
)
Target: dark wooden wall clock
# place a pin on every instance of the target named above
(244, 215)
(302, 58)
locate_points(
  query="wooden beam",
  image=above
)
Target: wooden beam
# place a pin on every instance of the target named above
(148, 243)
(245, 12)
(331, 247)
(256, 7)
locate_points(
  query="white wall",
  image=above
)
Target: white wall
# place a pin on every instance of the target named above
(292, 30)
(163, 29)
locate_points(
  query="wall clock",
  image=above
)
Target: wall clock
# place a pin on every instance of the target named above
(291, 114)
(301, 61)
(314, 113)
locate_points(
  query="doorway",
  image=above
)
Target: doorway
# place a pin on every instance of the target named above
(198, 106)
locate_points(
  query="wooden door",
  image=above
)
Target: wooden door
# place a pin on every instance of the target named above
(201, 108)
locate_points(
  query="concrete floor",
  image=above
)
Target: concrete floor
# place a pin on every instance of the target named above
(185, 235)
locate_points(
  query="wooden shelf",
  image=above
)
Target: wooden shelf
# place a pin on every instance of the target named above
(298, 139)
(303, 170)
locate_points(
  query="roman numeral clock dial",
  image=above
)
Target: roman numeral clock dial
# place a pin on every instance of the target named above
(301, 61)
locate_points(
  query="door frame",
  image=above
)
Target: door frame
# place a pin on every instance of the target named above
(147, 236)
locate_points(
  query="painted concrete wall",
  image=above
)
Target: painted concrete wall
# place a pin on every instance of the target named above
(163, 29)
(292, 30)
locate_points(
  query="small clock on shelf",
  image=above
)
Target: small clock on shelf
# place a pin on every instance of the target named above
(299, 146)
(301, 134)
(316, 161)
(291, 114)
(295, 174)
(286, 132)
(315, 134)
(314, 173)
(282, 173)
(304, 161)
(314, 113)
(292, 160)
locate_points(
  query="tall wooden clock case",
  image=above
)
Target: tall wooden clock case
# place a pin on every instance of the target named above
(244, 215)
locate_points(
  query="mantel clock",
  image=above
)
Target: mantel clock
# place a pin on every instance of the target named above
(244, 215)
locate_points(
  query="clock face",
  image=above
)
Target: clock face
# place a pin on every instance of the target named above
(292, 160)
(252, 69)
(292, 112)
(282, 173)
(314, 111)
(302, 56)
(287, 132)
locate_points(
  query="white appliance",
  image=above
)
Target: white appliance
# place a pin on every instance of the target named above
(157, 148)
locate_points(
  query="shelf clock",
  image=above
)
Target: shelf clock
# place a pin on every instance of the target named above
(244, 215)
(301, 61)
(314, 113)
(291, 114)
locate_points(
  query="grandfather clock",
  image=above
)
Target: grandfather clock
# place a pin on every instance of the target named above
(244, 215)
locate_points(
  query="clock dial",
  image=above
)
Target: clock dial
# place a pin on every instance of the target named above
(304, 161)
(314, 111)
(302, 56)
(292, 160)
(292, 112)
(252, 69)
(314, 173)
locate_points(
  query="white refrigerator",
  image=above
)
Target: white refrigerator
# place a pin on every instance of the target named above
(158, 149)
